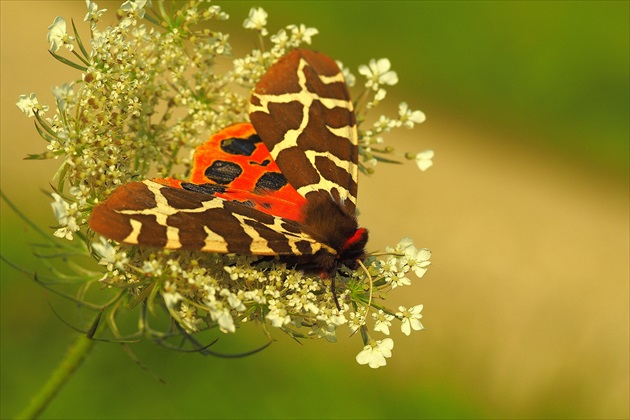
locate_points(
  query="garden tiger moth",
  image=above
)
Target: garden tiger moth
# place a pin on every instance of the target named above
(284, 185)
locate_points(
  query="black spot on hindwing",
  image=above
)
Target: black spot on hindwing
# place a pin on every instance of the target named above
(223, 172)
(236, 146)
(263, 163)
(271, 181)
(210, 189)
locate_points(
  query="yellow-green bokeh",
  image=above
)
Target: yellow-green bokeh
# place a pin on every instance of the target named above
(526, 212)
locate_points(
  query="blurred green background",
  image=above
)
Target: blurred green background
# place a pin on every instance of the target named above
(525, 210)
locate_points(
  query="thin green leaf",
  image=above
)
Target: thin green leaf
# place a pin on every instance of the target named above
(364, 335)
(164, 14)
(15, 266)
(65, 295)
(43, 134)
(60, 255)
(92, 331)
(142, 366)
(151, 299)
(153, 19)
(79, 42)
(63, 278)
(68, 62)
(28, 221)
(382, 159)
(63, 321)
(179, 348)
(87, 333)
(141, 296)
(295, 335)
(45, 125)
(35, 157)
(61, 175)
(82, 270)
(83, 60)
(205, 351)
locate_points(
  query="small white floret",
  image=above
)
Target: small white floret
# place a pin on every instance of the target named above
(376, 353)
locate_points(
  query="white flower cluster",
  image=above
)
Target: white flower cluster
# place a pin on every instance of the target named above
(147, 96)
(66, 214)
(371, 139)
(249, 69)
(205, 290)
(29, 105)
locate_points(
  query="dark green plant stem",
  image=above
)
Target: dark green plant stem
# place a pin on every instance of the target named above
(75, 356)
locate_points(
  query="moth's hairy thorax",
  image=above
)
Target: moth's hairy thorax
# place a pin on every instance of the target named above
(329, 223)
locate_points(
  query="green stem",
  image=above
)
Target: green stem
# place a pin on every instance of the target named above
(74, 358)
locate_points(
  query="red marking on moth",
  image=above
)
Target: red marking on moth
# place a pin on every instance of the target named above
(358, 234)
(169, 182)
(211, 151)
(285, 202)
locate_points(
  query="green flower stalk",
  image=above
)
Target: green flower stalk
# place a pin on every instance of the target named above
(148, 91)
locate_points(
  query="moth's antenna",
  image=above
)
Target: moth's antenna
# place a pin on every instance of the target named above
(369, 276)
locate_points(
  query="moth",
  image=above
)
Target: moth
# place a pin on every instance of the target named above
(283, 185)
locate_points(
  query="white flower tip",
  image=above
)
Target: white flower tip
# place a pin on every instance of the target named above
(424, 160)
(29, 104)
(256, 20)
(418, 117)
(376, 353)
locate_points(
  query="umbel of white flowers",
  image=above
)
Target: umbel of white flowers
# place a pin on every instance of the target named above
(148, 93)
